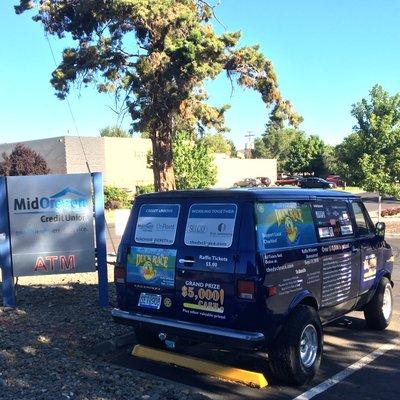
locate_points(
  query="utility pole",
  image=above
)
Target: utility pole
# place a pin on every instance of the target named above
(249, 144)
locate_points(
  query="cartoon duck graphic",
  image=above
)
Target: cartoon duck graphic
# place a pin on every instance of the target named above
(291, 229)
(148, 271)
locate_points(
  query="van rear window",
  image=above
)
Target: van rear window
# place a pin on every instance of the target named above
(157, 223)
(284, 224)
(210, 225)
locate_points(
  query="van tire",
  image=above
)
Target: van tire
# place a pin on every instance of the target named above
(147, 337)
(375, 316)
(284, 355)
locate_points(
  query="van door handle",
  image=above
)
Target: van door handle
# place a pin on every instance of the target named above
(185, 261)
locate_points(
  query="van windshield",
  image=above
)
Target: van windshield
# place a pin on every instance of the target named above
(284, 224)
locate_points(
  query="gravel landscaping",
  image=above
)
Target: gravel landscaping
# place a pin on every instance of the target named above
(44, 346)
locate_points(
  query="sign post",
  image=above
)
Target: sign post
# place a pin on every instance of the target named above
(101, 251)
(5, 248)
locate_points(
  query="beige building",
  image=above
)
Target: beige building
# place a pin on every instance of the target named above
(123, 161)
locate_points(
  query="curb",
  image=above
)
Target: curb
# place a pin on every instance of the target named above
(110, 345)
(202, 366)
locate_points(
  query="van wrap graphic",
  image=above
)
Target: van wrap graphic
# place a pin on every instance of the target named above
(157, 223)
(326, 271)
(283, 224)
(210, 225)
(151, 266)
(203, 298)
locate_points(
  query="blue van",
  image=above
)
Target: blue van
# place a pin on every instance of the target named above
(254, 269)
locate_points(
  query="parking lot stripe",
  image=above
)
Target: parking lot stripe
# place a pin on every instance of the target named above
(256, 379)
(325, 385)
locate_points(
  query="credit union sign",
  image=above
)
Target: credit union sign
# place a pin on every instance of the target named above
(51, 224)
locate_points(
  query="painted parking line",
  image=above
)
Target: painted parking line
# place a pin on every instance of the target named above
(340, 376)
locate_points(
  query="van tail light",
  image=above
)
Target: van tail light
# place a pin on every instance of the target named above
(119, 274)
(272, 291)
(246, 290)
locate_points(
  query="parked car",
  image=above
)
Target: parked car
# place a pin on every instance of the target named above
(317, 183)
(248, 182)
(336, 179)
(260, 270)
(289, 180)
(265, 181)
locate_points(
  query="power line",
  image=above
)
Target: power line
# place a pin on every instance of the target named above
(70, 110)
(79, 136)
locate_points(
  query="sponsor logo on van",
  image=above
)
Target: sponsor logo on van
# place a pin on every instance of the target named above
(221, 227)
(165, 227)
(197, 228)
(147, 227)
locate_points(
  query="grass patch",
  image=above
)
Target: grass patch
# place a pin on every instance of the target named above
(351, 189)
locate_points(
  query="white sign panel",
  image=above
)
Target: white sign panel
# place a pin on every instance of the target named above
(51, 224)
(210, 225)
(157, 223)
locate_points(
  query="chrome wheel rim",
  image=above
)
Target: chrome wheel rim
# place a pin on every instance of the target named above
(308, 345)
(387, 303)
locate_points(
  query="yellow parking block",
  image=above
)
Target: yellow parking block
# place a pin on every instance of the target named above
(205, 367)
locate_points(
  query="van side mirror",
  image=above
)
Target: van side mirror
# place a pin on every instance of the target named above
(380, 229)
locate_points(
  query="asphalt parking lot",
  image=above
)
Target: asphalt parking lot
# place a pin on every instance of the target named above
(363, 364)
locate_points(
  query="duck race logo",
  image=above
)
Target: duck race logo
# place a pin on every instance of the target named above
(151, 266)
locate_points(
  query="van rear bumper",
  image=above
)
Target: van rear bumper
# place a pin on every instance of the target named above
(191, 330)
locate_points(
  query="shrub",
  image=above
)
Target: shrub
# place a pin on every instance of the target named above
(143, 189)
(115, 197)
(390, 212)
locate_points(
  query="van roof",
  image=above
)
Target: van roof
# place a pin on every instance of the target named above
(252, 193)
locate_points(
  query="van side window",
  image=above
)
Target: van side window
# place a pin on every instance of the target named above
(210, 225)
(157, 223)
(362, 223)
(283, 224)
(332, 219)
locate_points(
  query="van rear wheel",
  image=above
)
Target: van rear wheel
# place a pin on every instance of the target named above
(378, 312)
(296, 356)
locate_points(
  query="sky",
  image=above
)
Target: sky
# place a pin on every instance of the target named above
(327, 56)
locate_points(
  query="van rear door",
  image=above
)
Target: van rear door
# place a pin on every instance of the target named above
(151, 259)
(205, 269)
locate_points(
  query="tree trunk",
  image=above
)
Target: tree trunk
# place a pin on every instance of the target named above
(163, 167)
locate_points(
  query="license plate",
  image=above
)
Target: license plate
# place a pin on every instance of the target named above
(150, 300)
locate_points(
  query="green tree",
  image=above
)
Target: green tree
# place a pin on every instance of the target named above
(348, 154)
(260, 149)
(114, 131)
(378, 134)
(316, 156)
(233, 148)
(297, 160)
(309, 155)
(23, 161)
(194, 162)
(330, 161)
(156, 55)
(278, 142)
(217, 143)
